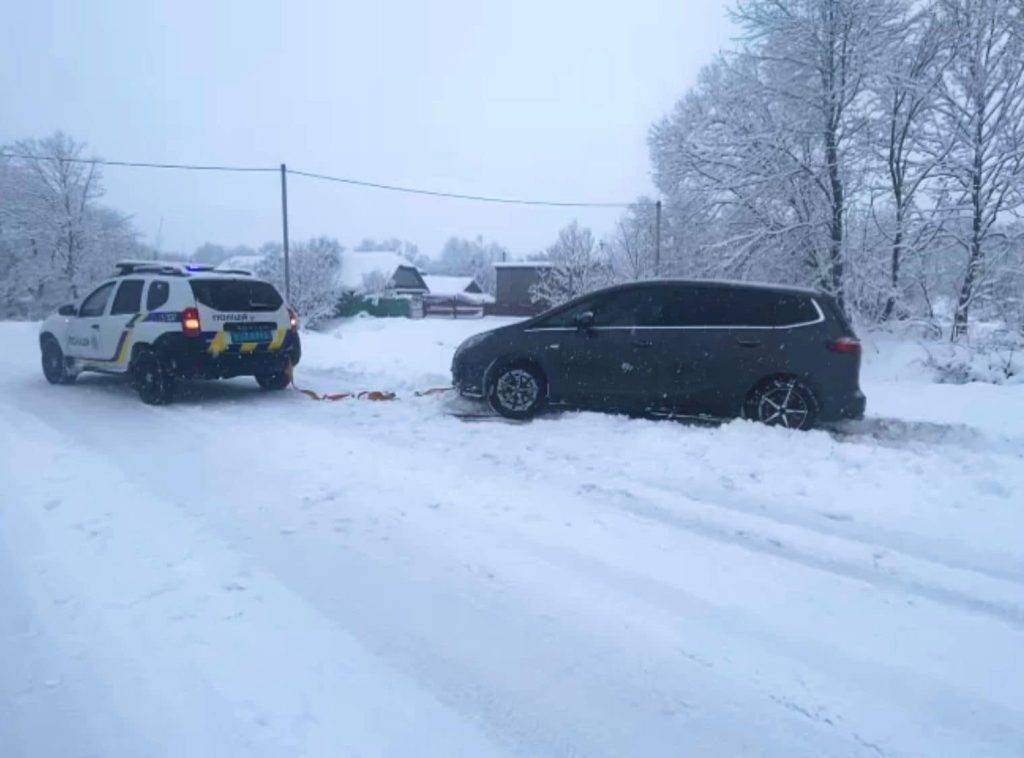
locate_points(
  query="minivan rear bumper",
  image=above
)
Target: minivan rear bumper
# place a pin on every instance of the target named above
(843, 407)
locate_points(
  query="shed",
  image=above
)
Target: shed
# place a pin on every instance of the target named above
(454, 296)
(514, 282)
(452, 285)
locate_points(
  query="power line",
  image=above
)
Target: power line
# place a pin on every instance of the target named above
(456, 195)
(136, 164)
(326, 177)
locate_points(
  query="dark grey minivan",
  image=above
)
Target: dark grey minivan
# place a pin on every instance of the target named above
(781, 355)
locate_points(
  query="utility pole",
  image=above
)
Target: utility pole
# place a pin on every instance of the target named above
(657, 238)
(284, 225)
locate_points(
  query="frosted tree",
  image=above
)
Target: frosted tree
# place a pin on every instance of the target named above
(314, 268)
(981, 110)
(578, 265)
(56, 239)
(905, 142)
(632, 243)
(816, 57)
(470, 257)
(744, 191)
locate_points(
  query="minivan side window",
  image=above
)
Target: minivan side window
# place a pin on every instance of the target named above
(567, 316)
(96, 303)
(157, 295)
(738, 307)
(128, 298)
(636, 307)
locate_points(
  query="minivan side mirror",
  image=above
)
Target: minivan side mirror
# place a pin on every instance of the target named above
(584, 320)
(67, 310)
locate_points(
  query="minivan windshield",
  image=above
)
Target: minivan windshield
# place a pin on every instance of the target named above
(236, 294)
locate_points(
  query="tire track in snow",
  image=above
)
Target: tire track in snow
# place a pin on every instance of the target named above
(884, 569)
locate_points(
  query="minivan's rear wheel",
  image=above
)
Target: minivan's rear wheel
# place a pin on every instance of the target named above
(55, 367)
(784, 402)
(153, 378)
(517, 391)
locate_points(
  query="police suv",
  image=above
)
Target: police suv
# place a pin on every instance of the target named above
(158, 323)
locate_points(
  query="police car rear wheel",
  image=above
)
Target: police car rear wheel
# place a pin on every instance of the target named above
(153, 379)
(54, 366)
(276, 381)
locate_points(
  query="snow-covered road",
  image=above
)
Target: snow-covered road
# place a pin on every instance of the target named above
(244, 573)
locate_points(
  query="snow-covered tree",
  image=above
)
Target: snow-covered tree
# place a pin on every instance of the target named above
(981, 111)
(314, 267)
(470, 257)
(55, 238)
(578, 265)
(632, 243)
(905, 95)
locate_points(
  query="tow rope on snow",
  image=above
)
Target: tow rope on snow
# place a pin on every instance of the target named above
(374, 395)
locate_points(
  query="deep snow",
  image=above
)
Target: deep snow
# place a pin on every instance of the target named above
(245, 573)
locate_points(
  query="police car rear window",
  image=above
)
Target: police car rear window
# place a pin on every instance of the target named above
(236, 295)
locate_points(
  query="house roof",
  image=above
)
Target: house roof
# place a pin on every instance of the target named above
(524, 264)
(448, 285)
(357, 265)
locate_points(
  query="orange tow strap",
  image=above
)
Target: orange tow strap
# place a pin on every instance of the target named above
(375, 395)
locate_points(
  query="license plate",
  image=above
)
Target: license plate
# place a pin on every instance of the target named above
(251, 335)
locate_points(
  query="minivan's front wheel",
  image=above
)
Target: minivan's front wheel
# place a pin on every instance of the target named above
(153, 378)
(517, 391)
(782, 401)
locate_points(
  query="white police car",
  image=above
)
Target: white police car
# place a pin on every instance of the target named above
(158, 323)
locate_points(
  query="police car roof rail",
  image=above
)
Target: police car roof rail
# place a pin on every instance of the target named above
(125, 268)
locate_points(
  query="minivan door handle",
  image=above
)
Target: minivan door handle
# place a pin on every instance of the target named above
(747, 342)
(642, 343)
(95, 326)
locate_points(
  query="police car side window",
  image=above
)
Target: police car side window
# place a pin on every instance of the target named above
(96, 303)
(128, 298)
(157, 295)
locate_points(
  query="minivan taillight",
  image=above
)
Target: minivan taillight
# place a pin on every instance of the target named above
(190, 322)
(293, 319)
(845, 345)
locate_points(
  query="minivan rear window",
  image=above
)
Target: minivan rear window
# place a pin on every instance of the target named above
(236, 295)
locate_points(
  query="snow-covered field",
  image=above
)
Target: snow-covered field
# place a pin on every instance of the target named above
(256, 574)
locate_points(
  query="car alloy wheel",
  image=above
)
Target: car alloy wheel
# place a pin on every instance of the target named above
(517, 390)
(785, 402)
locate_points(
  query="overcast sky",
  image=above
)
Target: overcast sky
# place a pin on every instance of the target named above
(546, 99)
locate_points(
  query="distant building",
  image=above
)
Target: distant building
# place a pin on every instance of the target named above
(454, 296)
(379, 283)
(379, 273)
(514, 282)
(452, 285)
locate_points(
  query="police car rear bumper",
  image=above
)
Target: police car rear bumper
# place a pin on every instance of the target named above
(192, 357)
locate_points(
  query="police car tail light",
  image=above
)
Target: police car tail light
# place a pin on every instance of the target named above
(190, 322)
(293, 319)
